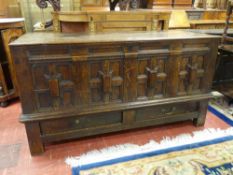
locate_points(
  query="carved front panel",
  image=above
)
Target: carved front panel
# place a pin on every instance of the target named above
(106, 82)
(191, 73)
(151, 78)
(53, 85)
(92, 76)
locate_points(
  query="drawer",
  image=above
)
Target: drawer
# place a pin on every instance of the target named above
(79, 123)
(151, 113)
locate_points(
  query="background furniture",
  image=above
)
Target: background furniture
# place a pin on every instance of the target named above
(208, 24)
(160, 4)
(33, 16)
(153, 4)
(224, 72)
(105, 21)
(211, 4)
(198, 19)
(74, 86)
(10, 9)
(209, 19)
(94, 5)
(223, 81)
(102, 5)
(10, 28)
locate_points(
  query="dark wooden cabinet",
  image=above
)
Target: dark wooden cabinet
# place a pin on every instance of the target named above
(223, 80)
(10, 29)
(81, 85)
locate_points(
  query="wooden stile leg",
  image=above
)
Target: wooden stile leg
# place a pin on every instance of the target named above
(34, 140)
(200, 121)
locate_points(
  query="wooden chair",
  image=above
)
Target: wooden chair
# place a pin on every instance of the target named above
(227, 41)
(224, 70)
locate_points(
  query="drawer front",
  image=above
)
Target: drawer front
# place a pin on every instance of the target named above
(89, 125)
(153, 113)
(80, 123)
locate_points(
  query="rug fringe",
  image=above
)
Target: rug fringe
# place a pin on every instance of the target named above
(127, 149)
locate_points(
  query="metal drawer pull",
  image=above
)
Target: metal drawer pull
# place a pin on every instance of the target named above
(77, 121)
(170, 112)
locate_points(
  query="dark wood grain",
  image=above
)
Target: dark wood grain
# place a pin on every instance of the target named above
(224, 72)
(75, 86)
(34, 140)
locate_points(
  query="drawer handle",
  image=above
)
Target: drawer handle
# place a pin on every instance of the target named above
(77, 122)
(170, 112)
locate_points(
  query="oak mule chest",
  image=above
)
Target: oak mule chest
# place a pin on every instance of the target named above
(74, 86)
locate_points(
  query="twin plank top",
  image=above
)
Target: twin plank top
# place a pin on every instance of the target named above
(67, 38)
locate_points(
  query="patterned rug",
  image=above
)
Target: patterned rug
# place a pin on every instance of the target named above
(208, 152)
(223, 109)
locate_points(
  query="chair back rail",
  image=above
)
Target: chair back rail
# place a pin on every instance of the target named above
(225, 37)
